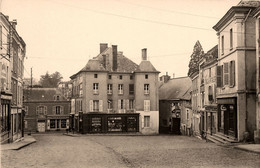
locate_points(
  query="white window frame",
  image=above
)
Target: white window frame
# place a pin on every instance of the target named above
(146, 105)
(146, 88)
(120, 89)
(109, 88)
(95, 88)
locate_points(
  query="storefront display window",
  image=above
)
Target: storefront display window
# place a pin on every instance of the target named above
(63, 123)
(96, 124)
(114, 124)
(52, 123)
(131, 124)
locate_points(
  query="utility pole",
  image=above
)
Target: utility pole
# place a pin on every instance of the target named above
(31, 77)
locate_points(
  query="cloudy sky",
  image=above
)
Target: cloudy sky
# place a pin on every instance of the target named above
(61, 35)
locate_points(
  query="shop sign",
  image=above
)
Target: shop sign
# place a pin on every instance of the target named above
(6, 97)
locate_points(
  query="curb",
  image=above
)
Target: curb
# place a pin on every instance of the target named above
(22, 146)
(247, 150)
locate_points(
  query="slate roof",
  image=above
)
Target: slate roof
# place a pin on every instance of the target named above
(176, 89)
(42, 94)
(146, 66)
(124, 64)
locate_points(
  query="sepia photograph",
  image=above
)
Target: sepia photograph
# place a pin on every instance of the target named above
(130, 83)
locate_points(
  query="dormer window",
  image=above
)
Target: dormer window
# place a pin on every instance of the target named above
(56, 97)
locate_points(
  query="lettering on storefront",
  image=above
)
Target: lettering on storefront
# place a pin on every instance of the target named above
(6, 97)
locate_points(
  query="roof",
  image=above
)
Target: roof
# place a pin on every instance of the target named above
(104, 61)
(42, 94)
(176, 88)
(242, 7)
(146, 66)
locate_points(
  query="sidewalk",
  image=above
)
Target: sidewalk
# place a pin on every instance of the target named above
(25, 141)
(106, 134)
(249, 147)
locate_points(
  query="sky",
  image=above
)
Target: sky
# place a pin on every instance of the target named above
(62, 35)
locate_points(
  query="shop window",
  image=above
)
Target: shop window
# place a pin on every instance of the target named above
(131, 124)
(52, 123)
(146, 121)
(96, 124)
(63, 123)
(114, 124)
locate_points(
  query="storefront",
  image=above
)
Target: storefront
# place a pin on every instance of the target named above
(211, 119)
(227, 116)
(55, 123)
(110, 123)
(5, 117)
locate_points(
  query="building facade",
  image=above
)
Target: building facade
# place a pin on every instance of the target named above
(113, 94)
(175, 106)
(46, 109)
(11, 66)
(236, 72)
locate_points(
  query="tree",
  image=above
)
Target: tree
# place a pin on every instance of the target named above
(50, 80)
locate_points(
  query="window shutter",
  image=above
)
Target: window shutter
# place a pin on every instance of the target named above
(91, 105)
(148, 105)
(61, 110)
(142, 122)
(53, 109)
(226, 73)
(45, 110)
(100, 105)
(127, 104)
(232, 74)
(219, 76)
(119, 105)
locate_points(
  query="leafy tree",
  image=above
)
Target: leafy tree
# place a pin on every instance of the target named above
(50, 80)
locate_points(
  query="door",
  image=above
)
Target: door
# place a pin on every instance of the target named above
(41, 126)
(176, 123)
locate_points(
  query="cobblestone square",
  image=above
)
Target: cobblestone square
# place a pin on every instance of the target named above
(57, 150)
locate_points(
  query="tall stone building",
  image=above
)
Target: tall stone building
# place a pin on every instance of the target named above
(11, 84)
(113, 94)
(236, 72)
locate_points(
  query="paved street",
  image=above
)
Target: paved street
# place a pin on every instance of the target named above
(57, 150)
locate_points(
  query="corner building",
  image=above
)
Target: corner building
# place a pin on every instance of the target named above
(113, 94)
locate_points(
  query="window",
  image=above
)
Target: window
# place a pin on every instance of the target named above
(131, 88)
(121, 104)
(146, 88)
(1, 36)
(80, 90)
(26, 108)
(57, 110)
(222, 45)
(95, 88)
(95, 75)
(210, 94)
(146, 76)
(52, 124)
(131, 104)
(120, 77)
(210, 72)
(146, 105)
(109, 88)
(63, 123)
(109, 76)
(57, 97)
(131, 77)
(120, 88)
(110, 104)
(41, 110)
(95, 105)
(146, 121)
(231, 39)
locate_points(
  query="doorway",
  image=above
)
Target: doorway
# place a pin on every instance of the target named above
(41, 126)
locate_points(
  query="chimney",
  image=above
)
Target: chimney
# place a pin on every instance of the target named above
(144, 54)
(14, 23)
(103, 46)
(165, 78)
(114, 52)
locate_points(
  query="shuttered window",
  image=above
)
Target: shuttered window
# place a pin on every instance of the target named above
(100, 105)
(232, 74)
(146, 105)
(226, 73)
(219, 76)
